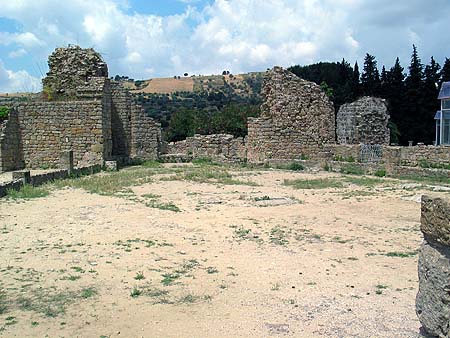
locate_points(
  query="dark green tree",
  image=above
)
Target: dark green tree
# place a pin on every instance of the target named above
(370, 78)
(356, 82)
(445, 72)
(415, 114)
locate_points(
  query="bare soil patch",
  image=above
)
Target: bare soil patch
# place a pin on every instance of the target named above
(208, 251)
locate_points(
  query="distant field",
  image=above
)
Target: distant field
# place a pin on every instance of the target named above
(168, 85)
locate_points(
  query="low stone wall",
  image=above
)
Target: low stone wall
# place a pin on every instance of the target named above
(11, 144)
(219, 147)
(39, 179)
(433, 298)
(415, 156)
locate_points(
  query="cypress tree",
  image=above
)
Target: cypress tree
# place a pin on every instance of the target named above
(445, 72)
(415, 115)
(370, 78)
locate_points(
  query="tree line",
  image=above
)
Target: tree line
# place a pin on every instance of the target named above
(411, 96)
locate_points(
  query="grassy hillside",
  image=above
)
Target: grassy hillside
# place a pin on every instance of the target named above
(161, 98)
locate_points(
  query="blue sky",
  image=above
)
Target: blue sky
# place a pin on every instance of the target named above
(162, 38)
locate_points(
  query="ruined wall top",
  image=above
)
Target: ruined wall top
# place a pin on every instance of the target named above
(294, 103)
(363, 121)
(72, 67)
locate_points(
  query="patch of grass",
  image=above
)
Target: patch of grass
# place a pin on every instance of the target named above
(363, 181)
(169, 278)
(88, 293)
(294, 166)
(139, 276)
(27, 192)
(49, 303)
(380, 173)
(339, 158)
(111, 183)
(71, 278)
(321, 183)
(204, 161)
(279, 236)
(135, 292)
(211, 175)
(210, 270)
(151, 164)
(405, 254)
(437, 179)
(3, 302)
(163, 206)
(352, 169)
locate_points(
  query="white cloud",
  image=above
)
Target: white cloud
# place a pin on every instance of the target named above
(21, 81)
(238, 35)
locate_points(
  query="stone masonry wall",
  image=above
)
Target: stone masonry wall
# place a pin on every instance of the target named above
(363, 121)
(145, 135)
(49, 128)
(297, 119)
(433, 298)
(11, 157)
(218, 147)
(120, 120)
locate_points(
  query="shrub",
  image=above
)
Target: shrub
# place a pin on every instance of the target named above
(4, 111)
(295, 166)
(352, 170)
(380, 173)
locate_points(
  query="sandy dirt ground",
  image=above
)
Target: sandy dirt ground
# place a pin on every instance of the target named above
(236, 261)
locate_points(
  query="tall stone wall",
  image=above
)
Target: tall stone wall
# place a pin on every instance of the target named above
(121, 109)
(363, 121)
(11, 156)
(49, 128)
(218, 147)
(297, 119)
(433, 298)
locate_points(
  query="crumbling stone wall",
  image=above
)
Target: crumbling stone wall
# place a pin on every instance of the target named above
(219, 147)
(363, 121)
(433, 298)
(11, 156)
(70, 68)
(83, 111)
(145, 135)
(297, 119)
(49, 128)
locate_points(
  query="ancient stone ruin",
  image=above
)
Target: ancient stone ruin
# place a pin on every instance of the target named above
(297, 119)
(363, 121)
(83, 111)
(222, 148)
(71, 68)
(433, 298)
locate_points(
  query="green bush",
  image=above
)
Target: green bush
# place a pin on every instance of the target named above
(380, 173)
(4, 111)
(352, 170)
(294, 166)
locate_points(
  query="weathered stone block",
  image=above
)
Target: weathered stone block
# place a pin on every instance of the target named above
(435, 220)
(433, 298)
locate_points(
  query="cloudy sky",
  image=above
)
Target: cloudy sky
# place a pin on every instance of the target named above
(162, 38)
